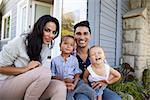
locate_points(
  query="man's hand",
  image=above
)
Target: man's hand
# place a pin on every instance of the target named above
(70, 86)
(98, 84)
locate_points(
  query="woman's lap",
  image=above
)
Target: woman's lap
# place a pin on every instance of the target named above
(16, 86)
(56, 91)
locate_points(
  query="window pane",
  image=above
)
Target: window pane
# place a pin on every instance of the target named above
(41, 10)
(6, 27)
(5, 21)
(73, 12)
(24, 19)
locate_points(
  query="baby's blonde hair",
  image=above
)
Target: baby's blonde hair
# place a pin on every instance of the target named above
(97, 46)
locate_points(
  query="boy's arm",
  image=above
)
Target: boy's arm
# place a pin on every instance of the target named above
(71, 86)
(85, 76)
(54, 70)
(114, 76)
(57, 78)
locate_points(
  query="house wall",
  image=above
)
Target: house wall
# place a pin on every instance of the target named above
(11, 5)
(147, 5)
(105, 18)
(136, 41)
(6, 6)
(106, 24)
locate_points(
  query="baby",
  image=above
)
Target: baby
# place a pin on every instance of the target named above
(99, 72)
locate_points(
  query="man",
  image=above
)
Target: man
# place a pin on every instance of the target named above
(82, 34)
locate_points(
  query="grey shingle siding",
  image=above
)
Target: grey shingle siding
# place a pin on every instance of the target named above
(10, 5)
(106, 27)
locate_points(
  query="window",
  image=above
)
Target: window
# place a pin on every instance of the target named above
(22, 17)
(39, 9)
(73, 12)
(6, 26)
(68, 12)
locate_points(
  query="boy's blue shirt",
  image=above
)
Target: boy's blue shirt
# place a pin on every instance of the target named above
(65, 69)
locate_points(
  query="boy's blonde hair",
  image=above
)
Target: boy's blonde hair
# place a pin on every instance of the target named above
(66, 36)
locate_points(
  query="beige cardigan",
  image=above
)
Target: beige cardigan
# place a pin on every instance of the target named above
(15, 53)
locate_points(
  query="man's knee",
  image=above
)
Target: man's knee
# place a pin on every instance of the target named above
(110, 95)
(80, 96)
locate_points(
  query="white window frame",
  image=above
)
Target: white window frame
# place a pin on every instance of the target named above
(119, 34)
(3, 19)
(57, 12)
(20, 6)
(33, 9)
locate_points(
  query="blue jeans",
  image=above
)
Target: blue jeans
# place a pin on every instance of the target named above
(107, 95)
(81, 88)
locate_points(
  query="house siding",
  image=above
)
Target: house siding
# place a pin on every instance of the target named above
(105, 17)
(10, 5)
(124, 6)
(108, 29)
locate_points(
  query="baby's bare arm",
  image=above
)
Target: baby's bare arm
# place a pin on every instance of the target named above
(114, 76)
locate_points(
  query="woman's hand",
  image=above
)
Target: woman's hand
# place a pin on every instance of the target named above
(33, 64)
(14, 70)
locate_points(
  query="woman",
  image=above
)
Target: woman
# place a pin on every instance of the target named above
(22, 71)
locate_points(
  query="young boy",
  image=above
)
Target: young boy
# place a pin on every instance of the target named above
(65, 67)
(99, 71)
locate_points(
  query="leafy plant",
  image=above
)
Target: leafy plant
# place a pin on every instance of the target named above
(132, 88)
(67, 26)
(128, 85)
(146, 83)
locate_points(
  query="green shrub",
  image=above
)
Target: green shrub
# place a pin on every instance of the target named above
(132, 88)
(128, 84)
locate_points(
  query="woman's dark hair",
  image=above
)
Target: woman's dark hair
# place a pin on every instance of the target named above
(83, 23)
(34, 39)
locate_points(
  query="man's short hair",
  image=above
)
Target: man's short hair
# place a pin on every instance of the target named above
(83, 23)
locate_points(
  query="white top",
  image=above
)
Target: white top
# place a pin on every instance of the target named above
(95, 77)
(15, 53)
